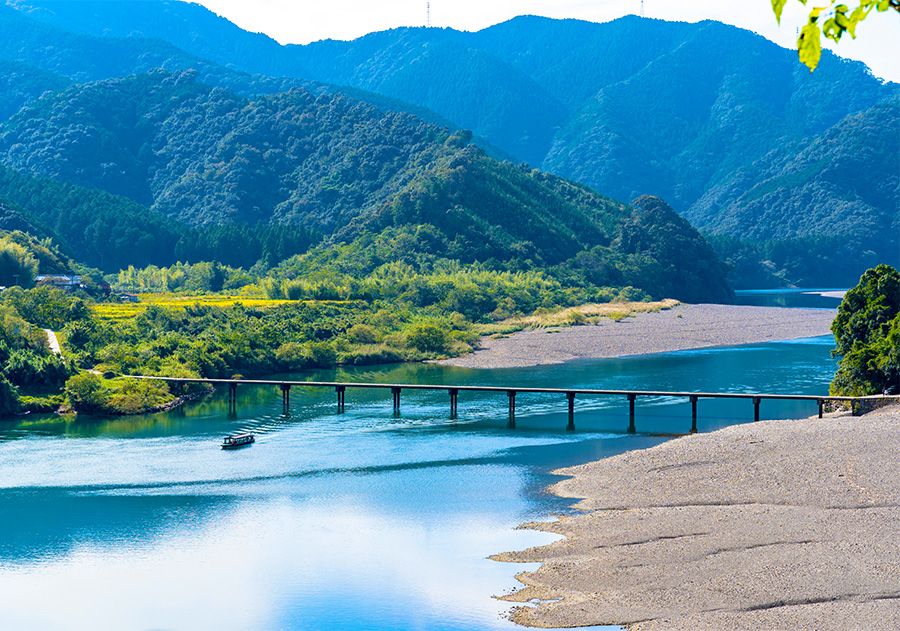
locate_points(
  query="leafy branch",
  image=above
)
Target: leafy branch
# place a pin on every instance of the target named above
(832, 21)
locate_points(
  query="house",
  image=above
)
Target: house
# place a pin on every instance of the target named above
(60, 281)
(129, 298)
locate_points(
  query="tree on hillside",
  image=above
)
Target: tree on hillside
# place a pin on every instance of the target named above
(9, 398)
(867, 332)
(17, 265)
(832, 20)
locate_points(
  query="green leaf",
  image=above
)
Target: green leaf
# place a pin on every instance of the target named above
(778, 7)
(832, 29)
(809, 45)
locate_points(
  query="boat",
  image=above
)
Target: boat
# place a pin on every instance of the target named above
(237, 441)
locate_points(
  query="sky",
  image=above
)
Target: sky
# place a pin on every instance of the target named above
(303, 21)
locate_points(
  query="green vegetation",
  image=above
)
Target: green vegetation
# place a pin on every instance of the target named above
(394, 313)
(17, 265)
(787, 239)
(531, 87)
(867, 332)
(286, 172)
(28, 371)
(381, 290)
(240, 175)
(832, 20)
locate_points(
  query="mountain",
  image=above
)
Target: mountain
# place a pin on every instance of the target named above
(177, 158)
(48, 50)
(189, 27)
(21, 84)
(834, 199)
(693, 111)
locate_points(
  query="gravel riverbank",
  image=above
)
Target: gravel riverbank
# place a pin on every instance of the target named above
(771, 525)
(680, 328)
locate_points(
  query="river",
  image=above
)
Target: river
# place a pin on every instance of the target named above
(333, 521)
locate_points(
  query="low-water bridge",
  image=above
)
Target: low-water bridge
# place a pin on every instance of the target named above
(857, 404)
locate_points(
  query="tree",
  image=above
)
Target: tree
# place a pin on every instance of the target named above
(86, 392)
(832, 20)
(17, 265)
(9, 398)
(867, 332)
(427, 338)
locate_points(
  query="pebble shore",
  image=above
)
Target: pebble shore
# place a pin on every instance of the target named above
(770, 525)
(683, 327)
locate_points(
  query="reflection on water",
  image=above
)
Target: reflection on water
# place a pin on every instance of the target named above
(332, 521)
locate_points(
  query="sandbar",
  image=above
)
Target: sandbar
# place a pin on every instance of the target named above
(773, 525)
(681, 328)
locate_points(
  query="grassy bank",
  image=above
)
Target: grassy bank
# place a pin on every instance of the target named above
(574, 316)
(220, 335)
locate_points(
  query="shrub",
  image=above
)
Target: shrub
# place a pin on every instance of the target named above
(362, 334)
(9, 398)
(427, 338)
(322, 354)
(372, 354)
(42, 405)
(292, 356)
(86, 393)
(27, 368)
(134, 396)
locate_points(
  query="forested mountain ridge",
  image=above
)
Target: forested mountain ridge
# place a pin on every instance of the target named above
(532, 76)
(694, 110)
(50, 50)
(813, 206)
(834, 172)
(205, 155)
(195, 170)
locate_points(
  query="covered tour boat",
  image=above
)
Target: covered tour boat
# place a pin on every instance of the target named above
(238, 440)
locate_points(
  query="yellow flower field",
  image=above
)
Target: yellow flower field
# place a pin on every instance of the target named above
(128, 310)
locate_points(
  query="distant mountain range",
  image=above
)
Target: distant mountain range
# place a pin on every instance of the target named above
(159, 166)
(724, 125)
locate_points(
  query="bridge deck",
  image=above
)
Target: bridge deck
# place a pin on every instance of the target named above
(517, 389)
(511, 392)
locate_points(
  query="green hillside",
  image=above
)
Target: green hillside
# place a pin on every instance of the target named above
(192, 172)
(814, 206)
(692, 114)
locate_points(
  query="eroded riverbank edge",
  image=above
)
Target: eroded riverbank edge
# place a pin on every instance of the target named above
(777, 524)
(683, 327)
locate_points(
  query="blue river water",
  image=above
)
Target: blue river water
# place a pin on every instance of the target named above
(359, 520)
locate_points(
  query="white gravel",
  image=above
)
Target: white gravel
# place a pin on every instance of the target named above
(771, 525)
(680, 328)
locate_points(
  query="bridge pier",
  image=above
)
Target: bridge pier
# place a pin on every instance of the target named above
(570, 396)
(395, 392)
(285, 398)
(232, 399)
(631, 400)
(454, 395)
(693, 415)
(177, 384)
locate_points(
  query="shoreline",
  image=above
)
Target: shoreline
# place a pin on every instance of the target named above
(746, 527)
(683, 327)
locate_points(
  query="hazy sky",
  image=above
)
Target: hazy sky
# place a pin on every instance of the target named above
(302, 21)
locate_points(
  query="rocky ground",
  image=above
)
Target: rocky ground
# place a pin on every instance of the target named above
(771, 525)
(680, 328)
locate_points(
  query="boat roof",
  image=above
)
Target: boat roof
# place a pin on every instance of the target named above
(234, 436)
